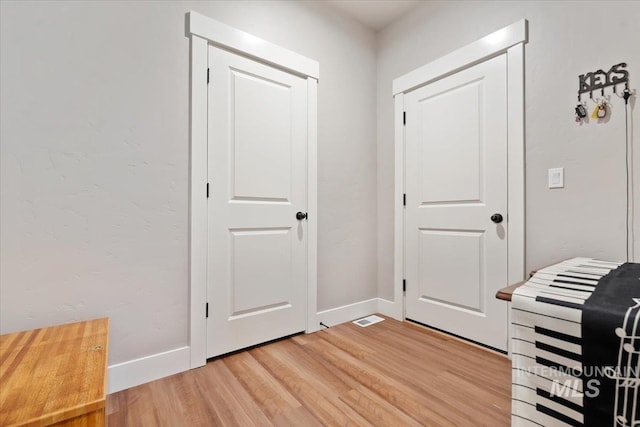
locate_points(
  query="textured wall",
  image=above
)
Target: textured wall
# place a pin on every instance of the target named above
(587, 217)
(94, 148)
(94, 160)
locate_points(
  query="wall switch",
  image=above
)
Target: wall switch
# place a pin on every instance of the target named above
(556, 178)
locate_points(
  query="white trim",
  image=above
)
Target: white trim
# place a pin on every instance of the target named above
(198, 204)
(509, 40)
(490, 45)
(391, 309)
(515, 164)
(231, 38)
(150, 368)
(312, 205)
(145, 369)
(349, 312)
(398, 217)
(203, 31)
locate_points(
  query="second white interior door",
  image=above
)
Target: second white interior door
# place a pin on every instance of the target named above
(456, 179)
(257, 157)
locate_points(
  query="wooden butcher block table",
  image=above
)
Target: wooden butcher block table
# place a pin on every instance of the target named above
(55, 375)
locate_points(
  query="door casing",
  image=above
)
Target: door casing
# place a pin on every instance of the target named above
(203, 31)
(509, 40)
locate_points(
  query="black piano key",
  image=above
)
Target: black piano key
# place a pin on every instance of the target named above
(571, 289)
(571, 282)
(576, 372)
(558, 335)
(568, 276)
(559, 302)
(559, 400)
(558, 416)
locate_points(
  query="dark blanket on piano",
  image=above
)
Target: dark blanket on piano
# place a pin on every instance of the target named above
(610, 334)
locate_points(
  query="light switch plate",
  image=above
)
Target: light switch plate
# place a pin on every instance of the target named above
(556, 178)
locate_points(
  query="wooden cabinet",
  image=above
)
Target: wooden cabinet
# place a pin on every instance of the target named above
(55, 375)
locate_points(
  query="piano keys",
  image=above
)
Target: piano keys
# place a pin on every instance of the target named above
(546, 343)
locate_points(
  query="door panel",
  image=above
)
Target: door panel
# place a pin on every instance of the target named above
(456, 178)
(257, 277)
(260, 256)
(260, 115)
(441, 279)
(451, 155)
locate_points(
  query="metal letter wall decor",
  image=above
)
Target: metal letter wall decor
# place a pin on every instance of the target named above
(599, 80)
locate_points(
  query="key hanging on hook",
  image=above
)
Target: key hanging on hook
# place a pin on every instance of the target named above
(602, 110)
(581, 112)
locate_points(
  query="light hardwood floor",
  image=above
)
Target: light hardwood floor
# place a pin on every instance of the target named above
(388, 374)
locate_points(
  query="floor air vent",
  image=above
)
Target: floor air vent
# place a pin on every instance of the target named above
(368, 321)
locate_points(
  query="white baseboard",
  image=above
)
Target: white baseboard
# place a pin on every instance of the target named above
(392, 309)
(354, 311)
(150, 368)
(139, 371)
(349, 312)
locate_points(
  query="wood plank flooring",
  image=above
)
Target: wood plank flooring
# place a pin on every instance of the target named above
(388, 374)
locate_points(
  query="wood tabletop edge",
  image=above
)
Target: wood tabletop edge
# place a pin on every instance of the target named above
(506, 294)
(106, 360)
(65, 414)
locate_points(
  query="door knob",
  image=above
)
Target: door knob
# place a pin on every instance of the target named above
(301, 215)
(497, 218)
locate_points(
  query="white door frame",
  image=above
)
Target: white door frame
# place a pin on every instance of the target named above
(509, 40)
(202, 32)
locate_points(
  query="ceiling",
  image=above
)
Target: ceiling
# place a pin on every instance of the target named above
(375, 14)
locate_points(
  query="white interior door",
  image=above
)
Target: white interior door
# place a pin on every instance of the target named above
(257, 159)
(456, 179)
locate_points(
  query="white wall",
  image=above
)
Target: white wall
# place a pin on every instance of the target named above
(94, 160)
(587, 217)
(94, 148)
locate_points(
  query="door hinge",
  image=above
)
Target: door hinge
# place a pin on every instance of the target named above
(404, 285)
(404, 199)
(206, 310)
(404, 117)
(207, 76)
(207, 190)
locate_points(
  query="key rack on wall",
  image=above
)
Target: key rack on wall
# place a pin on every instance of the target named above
(598, 81)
